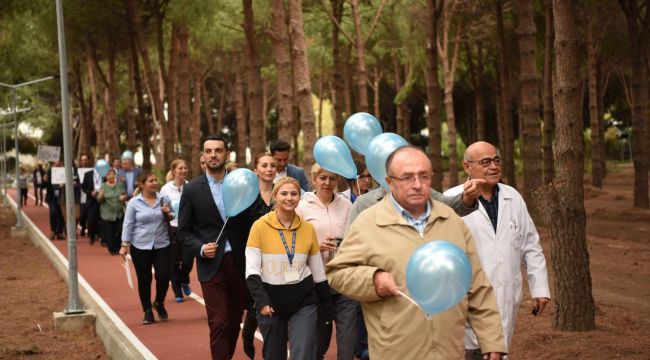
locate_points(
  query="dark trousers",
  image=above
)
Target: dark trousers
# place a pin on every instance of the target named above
(345, 318)
(298, 329)
(180, 272)
(23, 196)
(93, 219)
(224, 304)
(56, 217)
(362, 335)
(112, 234)
(38, 194)
(83, 215)
(143, 260)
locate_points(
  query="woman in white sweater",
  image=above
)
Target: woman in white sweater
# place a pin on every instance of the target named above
(328, 212)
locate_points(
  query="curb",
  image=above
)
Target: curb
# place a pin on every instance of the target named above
(119, 341)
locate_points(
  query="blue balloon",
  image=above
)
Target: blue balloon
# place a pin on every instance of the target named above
(438, 276)
(378, 151)
(359, 130)
(102, 167)
(240, 189)
(175, 207)
(331, 153)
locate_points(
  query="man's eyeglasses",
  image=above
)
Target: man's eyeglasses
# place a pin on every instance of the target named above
(487, 161)
(410, 179)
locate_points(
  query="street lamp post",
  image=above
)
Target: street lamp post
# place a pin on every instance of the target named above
(19, 218)
(4, 126)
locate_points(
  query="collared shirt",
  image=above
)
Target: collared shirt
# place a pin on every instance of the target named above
(144, 226)
(173, 192)
(492, 206)
(418, 223)
(128, 179)
(280, 174)
(217, 196)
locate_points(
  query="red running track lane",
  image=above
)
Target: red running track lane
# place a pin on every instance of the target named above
(183, 336)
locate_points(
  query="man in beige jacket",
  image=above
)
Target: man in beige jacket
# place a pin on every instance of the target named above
(370, 266)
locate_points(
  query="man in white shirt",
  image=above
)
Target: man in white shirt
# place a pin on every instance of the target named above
(506, 240)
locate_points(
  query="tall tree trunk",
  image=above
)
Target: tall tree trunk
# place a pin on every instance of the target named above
(476, 75)
(401, 116)
(362, 75)
(172, 99)
(506, 103)
(529, 115)
(433, 91)
(195, 125)
(281, 56)
(207, 107)
(564, 198)
(301, 80)
(184, 94)
(150, 78)
(547, 146)
(449, 59)
(638, 29)
(240, 110)
(256, 117)
(110, 121)
(376, 83)
(85, 128)
(594, 123)
(143, 124)
(222, 106)
(337, 82)
(131, 117)
(94, 102)
(347, 87)
(602, 88)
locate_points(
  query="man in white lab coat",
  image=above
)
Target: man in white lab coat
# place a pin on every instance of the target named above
(506, 240)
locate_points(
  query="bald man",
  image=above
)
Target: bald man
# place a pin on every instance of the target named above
(370, 267)
(505, 238)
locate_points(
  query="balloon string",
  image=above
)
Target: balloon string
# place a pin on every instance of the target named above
(408, 298)
(358, 188)
(221, 232)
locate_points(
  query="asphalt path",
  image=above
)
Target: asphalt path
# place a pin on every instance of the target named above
(184, 336)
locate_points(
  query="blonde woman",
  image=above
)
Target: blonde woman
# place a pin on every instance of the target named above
(286, 300)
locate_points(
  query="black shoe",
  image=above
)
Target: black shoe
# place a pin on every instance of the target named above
(160, 309)
(148, 317)
(249, 349)
(52, 235)
(92, 239)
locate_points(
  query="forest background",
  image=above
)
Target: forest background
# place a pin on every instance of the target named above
(559, 86)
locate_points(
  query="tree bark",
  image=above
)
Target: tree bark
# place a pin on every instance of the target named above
(638, 29)
(529, 115)
(85, 128)
(476, 75)
(94, 102)
(207, 108)
(401, 116)
(433, 91)
(131, 117)
(449, 59)
(184, 94)
(301, 80)
(574, 303)
(254, 77)
(507, 147)
(150, 80)
(547, 146)
(281, 56)
(337, 82)
(172, 98)
(195, 126)
(240, 106)
(593, 48)
(362, 75)
(143, 124)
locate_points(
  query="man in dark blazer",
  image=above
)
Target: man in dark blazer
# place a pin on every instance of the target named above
(220, 264)
(90, 185)
(280, 152)
(128, 174)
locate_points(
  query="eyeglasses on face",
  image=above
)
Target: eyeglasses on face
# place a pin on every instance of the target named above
(409, 179)
(365, 177)
(485, 162)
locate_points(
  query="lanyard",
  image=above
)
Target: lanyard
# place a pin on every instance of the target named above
(286, 247)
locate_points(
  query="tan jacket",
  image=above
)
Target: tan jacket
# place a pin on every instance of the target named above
(381, 239)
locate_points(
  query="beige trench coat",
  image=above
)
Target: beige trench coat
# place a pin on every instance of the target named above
(381, 239)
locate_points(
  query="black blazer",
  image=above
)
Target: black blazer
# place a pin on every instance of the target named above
(88, 186)
(200, 222)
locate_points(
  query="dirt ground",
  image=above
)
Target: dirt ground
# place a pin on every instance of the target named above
(619, 245)
(31, 292)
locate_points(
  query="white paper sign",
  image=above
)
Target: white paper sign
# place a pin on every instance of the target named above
(48, 153)
(58, 175)
(82, 172)
(127, 269)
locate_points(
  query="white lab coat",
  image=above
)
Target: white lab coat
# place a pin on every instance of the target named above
(515, 245)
